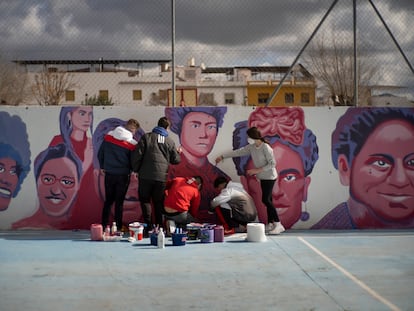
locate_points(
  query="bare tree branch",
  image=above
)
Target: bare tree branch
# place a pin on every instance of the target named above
(49, 87)
(13, 84)
(332, 66)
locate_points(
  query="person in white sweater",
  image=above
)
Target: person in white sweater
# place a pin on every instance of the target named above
(264, 170)
(234, 207)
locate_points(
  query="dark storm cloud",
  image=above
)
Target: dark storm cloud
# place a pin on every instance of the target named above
(125, 25)
(244, 21)
(264, 31)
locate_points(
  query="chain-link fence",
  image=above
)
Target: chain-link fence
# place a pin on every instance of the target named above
(220, 52)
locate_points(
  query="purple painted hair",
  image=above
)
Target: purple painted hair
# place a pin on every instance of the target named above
(65, 124)
(356, 124)
(56, 152)
(14, 144)
(307, 150)
(176, 115)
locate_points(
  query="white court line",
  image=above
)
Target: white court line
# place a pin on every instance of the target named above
(372, 292)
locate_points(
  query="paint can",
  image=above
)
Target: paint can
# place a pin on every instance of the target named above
(96, 232)
(218, 233)
(134, 229)
(192, 232)
(179, 239)
(207, 234)
(153, 238)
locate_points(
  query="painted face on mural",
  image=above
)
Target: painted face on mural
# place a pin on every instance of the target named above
(57, 186)
(290, 189)
(8, 181)
(382, 174)
(81, 118)
(199, 133)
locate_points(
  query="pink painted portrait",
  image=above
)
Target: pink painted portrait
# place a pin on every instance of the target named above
(296, 152)
(373, 151)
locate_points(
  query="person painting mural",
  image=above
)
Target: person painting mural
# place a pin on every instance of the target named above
(264, 169)
(114, 157)
(296, 152)
(182, 201)
(131, 205)
(152, 156)
(234, 206)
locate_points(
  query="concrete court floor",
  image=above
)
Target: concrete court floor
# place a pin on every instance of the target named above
(298, 270)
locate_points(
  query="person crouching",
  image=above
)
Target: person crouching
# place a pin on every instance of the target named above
(182, 201)
(234, 206)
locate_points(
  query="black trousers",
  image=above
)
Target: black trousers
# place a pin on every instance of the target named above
(230, 220)
(116, 187)
(267, 199)
(152, 191)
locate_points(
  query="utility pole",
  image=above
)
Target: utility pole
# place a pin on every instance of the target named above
(173, 52)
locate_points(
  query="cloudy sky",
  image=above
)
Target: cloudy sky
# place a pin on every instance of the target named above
(215, 32)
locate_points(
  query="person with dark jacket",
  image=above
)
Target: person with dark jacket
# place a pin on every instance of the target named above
(114, 160)
(154, 153)
(233, 206)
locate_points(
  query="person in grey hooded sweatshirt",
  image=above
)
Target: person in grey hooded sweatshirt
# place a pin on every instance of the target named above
(150, 160)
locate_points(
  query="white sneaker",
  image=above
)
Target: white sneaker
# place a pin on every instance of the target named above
(270, 226)
(278, 229)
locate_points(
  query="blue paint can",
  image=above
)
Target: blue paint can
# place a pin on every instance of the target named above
(154, 238)
(179, 239)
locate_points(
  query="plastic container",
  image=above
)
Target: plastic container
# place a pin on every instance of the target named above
(96, 232)
(107, 230)
(161, 239)
(178, 239)
(218, 233)
(136, 230)
(207, 235)
(256, 232)
(192, 232)
(132, 227)
(154, 238)
(114, 229)
(140, 233)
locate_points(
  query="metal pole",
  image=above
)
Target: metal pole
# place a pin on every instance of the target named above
(392, 37)
(173, 52)
(300, 53)
(356, 91)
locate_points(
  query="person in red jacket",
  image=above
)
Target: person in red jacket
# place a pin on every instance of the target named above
(182, 200)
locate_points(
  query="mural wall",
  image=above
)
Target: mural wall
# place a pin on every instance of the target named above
(339, 168)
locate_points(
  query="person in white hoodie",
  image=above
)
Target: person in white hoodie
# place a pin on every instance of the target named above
(234, 206)
(114, 160)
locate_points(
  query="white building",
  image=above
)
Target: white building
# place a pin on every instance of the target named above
(148, 82)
